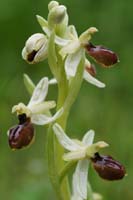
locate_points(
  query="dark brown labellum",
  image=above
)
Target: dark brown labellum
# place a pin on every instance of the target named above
(108, 168)
(31, 56)
(91, 69)
(22, 134)
(102, 55)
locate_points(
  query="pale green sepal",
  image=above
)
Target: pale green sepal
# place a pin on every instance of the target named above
(43, 22)
(52, 81)
(70, 48)
(75, 155)
(41, 119)
(58, 40)
(80, 180)
(75, 84)
(91, 150)
(88, 138)
(72, 62)
(64, 140)
(86, 36)
(30, 86)
(20, 109)
(89, 78)
(43, 107)
(72, 32)
(40, 92)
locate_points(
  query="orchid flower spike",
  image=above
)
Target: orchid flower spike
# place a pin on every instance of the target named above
(38, 110)
(82, 151)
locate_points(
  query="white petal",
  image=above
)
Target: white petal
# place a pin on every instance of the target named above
(40, 92)
(72, 62)
(93, 80)
(75, 155)
(88, 138)
(41, 119)
(80, 179)
(72, 32)
(64, 140)
(70, 48)
(53, 81)
(43, 107)
(24, 53)
(58, 40)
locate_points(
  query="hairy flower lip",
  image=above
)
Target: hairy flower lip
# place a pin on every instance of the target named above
(108, 168)
(21, 135)
(102, 55)
(31, 56)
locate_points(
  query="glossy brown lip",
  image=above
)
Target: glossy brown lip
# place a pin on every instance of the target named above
(102, 55)
(22, 134)
(31, 56)
(108, 168)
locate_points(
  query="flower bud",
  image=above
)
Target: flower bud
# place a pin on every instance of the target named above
(56, 15)
(22, 134)
(102, 55)
(108, 168)
(52, 4)
(35, 49)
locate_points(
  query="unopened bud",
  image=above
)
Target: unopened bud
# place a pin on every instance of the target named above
(108, 168)
(102, 55)
(56, 15)
(35, 49)
(21, 135)
(52, 4)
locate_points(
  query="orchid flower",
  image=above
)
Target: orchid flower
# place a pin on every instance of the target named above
(73, 54)
(38, 110)
(82, 151)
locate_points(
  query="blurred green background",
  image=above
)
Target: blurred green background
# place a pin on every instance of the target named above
(23, 174)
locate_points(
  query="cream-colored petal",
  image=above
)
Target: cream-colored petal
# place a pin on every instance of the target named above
(20, 109)
(80, 177)
(40, 92)
(72, 32)
(64, 140)
(70, 48)
(52, 81)
(41, 119)
(88, 138)
(75, 155)
(93, 80)
(43, 107)
(72, 62)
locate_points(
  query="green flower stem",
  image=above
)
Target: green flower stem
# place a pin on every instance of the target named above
(53, 173)
(66, 98)
(66, 169)
(69, 100)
